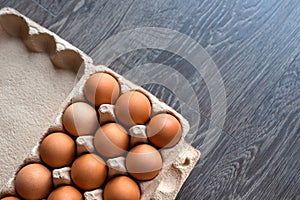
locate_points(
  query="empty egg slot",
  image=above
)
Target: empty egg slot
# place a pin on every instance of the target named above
(33, 86)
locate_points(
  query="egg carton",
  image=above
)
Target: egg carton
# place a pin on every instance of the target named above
(178, 161)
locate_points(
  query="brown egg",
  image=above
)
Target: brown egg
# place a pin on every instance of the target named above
(101, 88)
(121, 188)
(164, 130)
(133, 108)
(143, 162)
(65, 193)
(57, 150)
(88, 172)
(111, 140)
(34, 181)
(80, 119)
(10, 198)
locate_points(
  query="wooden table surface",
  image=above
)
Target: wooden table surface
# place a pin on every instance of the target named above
(255, 45)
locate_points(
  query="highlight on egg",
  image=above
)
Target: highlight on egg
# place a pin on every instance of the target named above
(164, 130)
(132, 108)
(121, 188)
(88, 171)
(111, 140)
(144, 162)
(10, 198)
(33, 181)
(57, 150)
(65, 193)
(80, 119)
(101, 88)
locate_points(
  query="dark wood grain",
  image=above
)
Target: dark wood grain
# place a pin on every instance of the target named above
(264, 160)
(197, 184)
(252, 43)
(255, 45)
(53, 7)
(31, 9)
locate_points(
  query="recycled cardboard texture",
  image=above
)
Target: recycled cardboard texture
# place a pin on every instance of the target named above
(34, 95)
(32, 88)
(31, 92)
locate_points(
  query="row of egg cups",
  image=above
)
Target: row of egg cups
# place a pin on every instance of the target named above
(85, 144)
(106, 114)
(116, 166)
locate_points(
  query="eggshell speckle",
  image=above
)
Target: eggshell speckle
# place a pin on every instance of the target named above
(101, 88)
(121, 188)
(88, 171)
(133, 108)
(164, 130)
(143, 162)
(57, 150)
(111, 140)
(33, 181)
(80, 119)
(65, 193)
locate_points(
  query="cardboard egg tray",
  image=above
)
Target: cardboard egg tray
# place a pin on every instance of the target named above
(178, 161)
